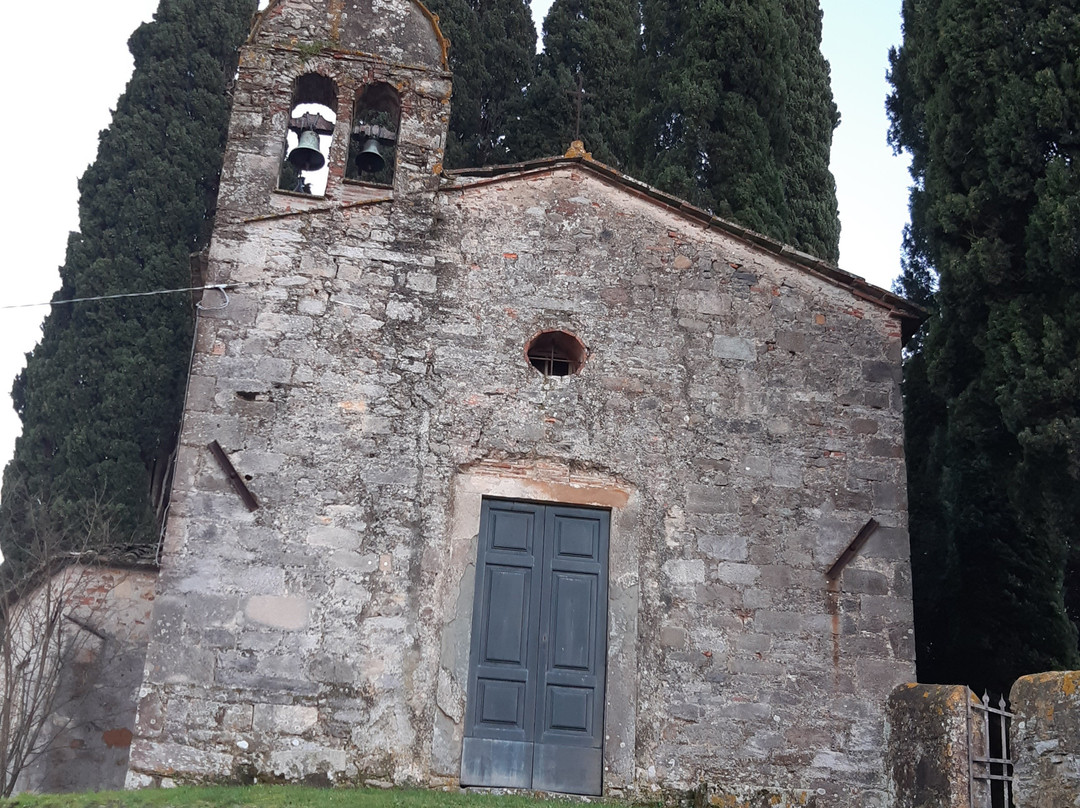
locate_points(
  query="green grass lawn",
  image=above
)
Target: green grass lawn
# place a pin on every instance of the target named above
(274, 797)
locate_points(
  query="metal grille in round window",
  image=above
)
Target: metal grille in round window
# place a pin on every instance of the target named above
(556, 353)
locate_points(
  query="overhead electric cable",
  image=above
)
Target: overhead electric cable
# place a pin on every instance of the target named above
(221, 287)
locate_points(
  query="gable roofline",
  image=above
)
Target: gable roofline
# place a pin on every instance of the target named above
(911, 315)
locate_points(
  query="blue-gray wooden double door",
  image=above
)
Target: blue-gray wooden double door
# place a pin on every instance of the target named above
(535, 702)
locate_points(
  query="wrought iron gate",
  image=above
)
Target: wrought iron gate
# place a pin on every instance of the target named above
(990, 764)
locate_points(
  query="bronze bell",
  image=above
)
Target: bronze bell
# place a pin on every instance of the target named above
(370, 159)
(306, 156)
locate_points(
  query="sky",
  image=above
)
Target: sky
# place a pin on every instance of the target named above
(81, 68)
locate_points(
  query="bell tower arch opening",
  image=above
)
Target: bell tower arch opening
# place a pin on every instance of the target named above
(310, 132)
(376, 123)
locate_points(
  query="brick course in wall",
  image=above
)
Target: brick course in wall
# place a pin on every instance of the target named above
(738, 412)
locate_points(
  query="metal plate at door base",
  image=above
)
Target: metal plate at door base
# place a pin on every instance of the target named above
(575, 770)
(496, 764)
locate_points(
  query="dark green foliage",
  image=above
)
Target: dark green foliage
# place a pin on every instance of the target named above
(987, 101)
(932, 560)
(100, 397)
(591, 47)
(492, 51)
(711, 118)
(809, 186)
(725, 103)
(738, 115)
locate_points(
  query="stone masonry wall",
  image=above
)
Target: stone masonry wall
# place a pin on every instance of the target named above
(739, 416)
(721, 388)
(1046, 740)
(752, 411)
(399, 31)
(90, 728)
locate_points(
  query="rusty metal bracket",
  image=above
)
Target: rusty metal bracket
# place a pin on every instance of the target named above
(863, 536)
(237, 483)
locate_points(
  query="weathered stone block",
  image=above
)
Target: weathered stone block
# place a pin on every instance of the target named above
(772, 622)
(279, 611)
(422, 281)
(711, 499)
(182, 762)
(927, 745)
(896, 611)
(865, 582)
(337, 538)
(682, 572)
(794, 341)
(881, 372)
(724, 548)
(673, 637)
(736, 348)
(312, 306)
(194, 666)
(285, 719)
(1046, 740)
(876, 675)
(740, 574)
(307, 763)
(889, 543)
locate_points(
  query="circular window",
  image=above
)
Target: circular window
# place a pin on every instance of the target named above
(556, 353)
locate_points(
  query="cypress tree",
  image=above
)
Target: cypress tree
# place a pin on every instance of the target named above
(101, 394)
(809, 186)
(987, 101)
(590, 54)
(738, 115)
(492, 54)
(933, 557)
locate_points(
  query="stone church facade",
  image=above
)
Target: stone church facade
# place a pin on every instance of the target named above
(525, 477)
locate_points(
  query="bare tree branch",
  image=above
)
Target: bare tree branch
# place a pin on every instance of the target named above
(46, 621)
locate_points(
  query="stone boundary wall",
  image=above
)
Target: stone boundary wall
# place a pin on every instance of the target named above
(1046, 740)
(927, 753)
(928, 740)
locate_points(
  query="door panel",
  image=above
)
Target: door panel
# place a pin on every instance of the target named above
(574, 616)
(496, 764)
(513, 531)
(506, 609)
(569, 709)
(569, 769)
(576, 538)
(501, 702)
(568, 752)
(505, 638)
(539, 649)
